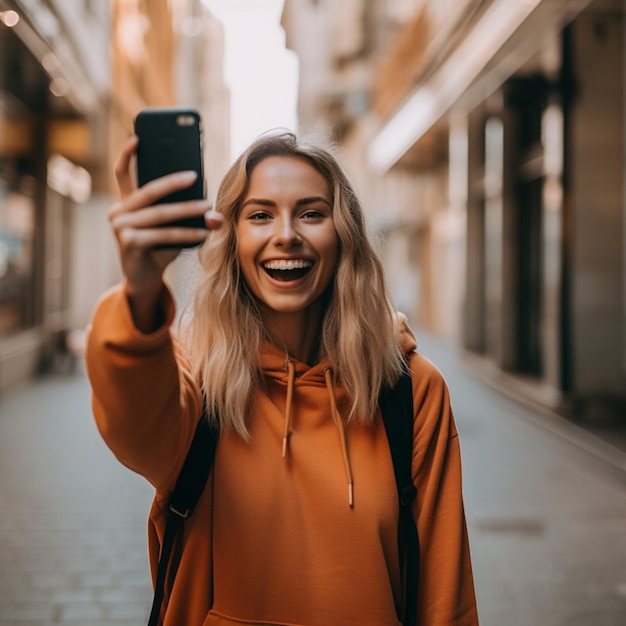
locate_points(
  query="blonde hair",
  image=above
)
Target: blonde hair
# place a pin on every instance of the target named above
(223, 328)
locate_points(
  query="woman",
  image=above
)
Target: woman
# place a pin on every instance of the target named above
(289, 338)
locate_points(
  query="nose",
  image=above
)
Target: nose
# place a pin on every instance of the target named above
(286, 233)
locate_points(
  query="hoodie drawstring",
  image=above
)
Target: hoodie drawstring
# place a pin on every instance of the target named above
(291, 377)
(342, 434)
(328, 377)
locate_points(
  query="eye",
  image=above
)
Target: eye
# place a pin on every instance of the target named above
(313, 214)
(259, 216)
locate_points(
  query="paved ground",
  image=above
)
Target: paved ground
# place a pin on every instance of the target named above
(546, 509)
(72, 527)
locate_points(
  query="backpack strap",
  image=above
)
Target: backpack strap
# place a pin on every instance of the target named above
(396, 405)
(183, 499)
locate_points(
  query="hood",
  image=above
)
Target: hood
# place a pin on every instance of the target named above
(274, 360)
(279, 366)
(406, 338)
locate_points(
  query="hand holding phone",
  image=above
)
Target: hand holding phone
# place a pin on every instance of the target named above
(136, 220)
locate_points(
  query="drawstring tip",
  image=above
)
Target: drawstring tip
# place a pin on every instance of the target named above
(350, 495)
(284, 446)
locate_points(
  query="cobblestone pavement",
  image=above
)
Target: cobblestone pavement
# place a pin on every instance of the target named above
(546, 509)
(72, 528)
(546, 516)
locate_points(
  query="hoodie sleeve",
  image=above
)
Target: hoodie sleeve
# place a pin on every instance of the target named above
(144, 400)
(446, 587)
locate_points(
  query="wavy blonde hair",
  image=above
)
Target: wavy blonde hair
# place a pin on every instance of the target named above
(223, 328)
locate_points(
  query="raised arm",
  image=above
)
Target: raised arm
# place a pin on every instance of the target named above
(145, 403)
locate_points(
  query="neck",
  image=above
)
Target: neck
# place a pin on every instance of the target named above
(297, 333)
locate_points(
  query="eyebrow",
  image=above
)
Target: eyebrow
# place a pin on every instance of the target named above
(300, 202)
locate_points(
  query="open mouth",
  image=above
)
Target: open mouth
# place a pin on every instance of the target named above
(287, 270)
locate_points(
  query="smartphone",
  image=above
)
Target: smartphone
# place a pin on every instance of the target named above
(170, 140)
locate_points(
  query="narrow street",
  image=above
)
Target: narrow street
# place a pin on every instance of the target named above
(546, 510)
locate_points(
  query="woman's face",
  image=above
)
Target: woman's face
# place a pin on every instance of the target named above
(286, 238)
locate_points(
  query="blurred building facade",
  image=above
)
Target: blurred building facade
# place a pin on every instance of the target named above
(486, 139)
(73, 75)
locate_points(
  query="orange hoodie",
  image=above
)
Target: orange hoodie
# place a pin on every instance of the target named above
(274, 539)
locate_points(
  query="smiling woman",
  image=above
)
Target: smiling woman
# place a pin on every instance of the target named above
(278, 206)
(289, 339)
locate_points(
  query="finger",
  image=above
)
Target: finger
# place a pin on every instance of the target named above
(213, 220)
(122, 167)
(153, 191)
(153, 238)
(146, 198)
(115, 209)
(156, 215)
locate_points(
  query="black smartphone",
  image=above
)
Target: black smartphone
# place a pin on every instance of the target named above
(170, 140)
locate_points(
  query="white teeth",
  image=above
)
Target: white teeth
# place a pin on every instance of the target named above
(291, 264)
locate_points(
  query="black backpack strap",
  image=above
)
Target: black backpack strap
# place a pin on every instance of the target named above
(396, 405)
(189, 485)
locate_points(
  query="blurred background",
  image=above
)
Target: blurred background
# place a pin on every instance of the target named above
(486, 139)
